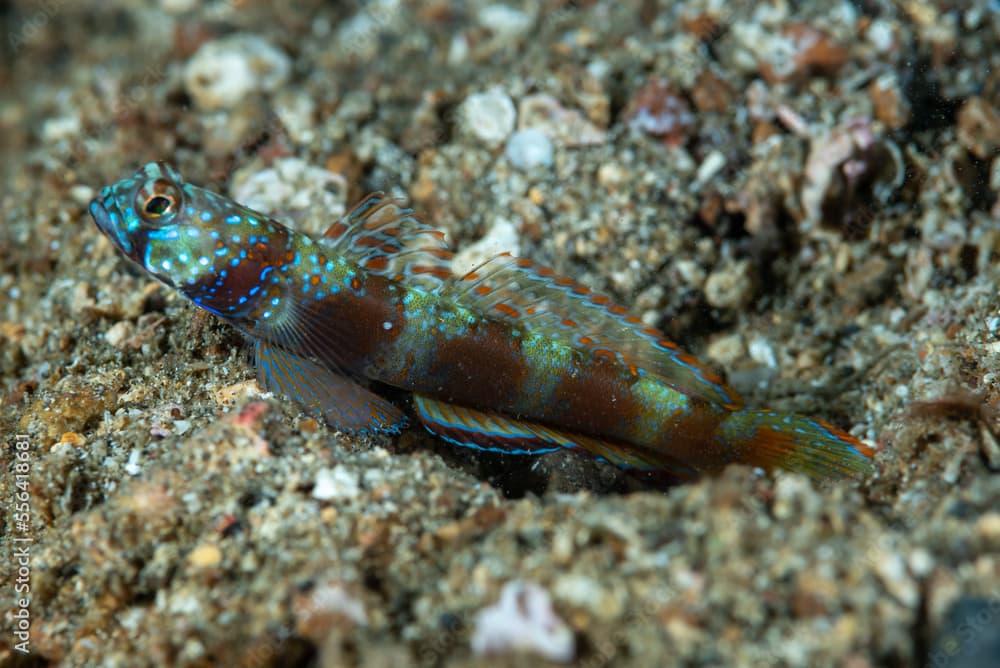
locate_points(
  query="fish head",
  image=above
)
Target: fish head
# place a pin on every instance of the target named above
(165, 225)
(215, 251)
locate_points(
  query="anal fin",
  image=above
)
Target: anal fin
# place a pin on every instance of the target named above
(336, 399)
(483, 431)
(493, 432)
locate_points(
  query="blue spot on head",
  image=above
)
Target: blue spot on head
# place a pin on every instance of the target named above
(233, 219)
(206, 216)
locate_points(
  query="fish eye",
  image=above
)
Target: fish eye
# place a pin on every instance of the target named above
(157, 202)
(157, 206)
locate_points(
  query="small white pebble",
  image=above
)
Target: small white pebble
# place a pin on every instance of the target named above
(523, 620)
(762, 352)
(177, 6)
(488, 117)
(921, 562)
(529, 148)
(726, 350)
(226, 70)
(710, 166)
(335, 484)
(730, 286)
(118, 333)
(504, 20)
(132, 465)
(293, 188)
(61, 127)
(81, 194)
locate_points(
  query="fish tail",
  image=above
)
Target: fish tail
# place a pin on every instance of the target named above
(778, 440)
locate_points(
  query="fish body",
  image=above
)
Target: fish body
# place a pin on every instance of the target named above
(509, 357)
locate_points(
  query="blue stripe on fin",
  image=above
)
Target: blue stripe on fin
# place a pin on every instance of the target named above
(336, 399)
(483, 431)
(495, 433)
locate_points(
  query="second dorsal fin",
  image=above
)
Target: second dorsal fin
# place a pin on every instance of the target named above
(386, 238)
(535, 298)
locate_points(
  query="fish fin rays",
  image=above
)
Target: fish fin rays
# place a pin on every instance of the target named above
(534, 297)
(772, 439)
(386, 238)
(492, 432)
(483, 431)
(338, 400)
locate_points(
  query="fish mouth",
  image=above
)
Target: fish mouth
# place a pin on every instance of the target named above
(110, 225)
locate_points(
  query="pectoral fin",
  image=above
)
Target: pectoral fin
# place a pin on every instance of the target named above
(336, 399)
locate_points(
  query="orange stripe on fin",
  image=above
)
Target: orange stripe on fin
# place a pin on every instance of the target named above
(772, 439)
(507, 310)
(494, 432)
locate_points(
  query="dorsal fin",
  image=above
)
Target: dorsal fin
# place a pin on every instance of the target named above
(534, 297)
(387, 238)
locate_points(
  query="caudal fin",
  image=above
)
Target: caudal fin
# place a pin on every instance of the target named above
(772, 439)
